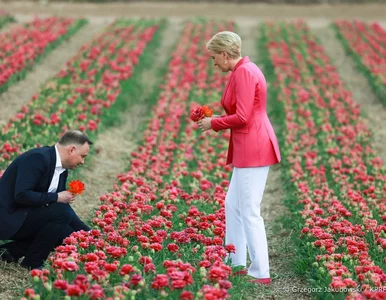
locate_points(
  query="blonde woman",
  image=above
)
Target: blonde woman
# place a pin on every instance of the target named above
(253, 147)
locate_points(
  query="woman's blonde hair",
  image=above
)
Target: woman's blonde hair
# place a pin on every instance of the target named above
(225, 41)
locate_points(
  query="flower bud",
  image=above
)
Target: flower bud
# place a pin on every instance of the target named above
(48, 286)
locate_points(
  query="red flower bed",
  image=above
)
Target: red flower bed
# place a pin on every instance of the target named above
(337, 181)
(21, 47)
(81, 93)
(367, 44)
(160, 232)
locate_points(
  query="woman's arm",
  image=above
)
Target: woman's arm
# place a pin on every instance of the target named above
(245, 85)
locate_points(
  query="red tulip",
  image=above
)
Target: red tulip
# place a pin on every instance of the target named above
(197, 114)
(76, 187)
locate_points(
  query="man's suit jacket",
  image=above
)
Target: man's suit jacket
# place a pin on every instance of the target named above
(24, 185)
(253, 142)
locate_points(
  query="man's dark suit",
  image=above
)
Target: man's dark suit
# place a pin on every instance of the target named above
(24, 200)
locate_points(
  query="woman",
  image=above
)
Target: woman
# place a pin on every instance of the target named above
(253, 147)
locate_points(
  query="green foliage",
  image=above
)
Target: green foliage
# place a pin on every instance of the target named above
(5, 20)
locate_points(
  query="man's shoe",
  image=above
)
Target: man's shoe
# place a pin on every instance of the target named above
(6, 256)
(35, 265)
(241, 272)
(30, 268)
(266, 281)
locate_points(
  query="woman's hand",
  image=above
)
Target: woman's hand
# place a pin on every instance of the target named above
(205, 124)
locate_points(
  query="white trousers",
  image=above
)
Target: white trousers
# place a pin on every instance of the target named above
(244, 225)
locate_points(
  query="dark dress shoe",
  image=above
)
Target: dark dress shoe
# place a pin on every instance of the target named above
(29, 268)
(6, 256)
(37, 264)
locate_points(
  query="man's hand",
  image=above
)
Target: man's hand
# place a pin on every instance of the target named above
(65, 197)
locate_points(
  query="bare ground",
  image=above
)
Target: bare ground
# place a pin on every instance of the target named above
(281, 247)
(371, 107)
(20, 93)
(12, 279)
(184, 9)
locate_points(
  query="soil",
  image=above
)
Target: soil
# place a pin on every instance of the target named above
(257, 11)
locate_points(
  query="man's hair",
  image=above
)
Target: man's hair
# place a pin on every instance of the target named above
(74, 137)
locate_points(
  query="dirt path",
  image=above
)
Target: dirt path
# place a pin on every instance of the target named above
(280, 245)
(20, 93)
(372, 109)
(223, 10)
(117, 143)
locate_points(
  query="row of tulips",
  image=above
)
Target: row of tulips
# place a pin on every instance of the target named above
(5, 18)
(367, 44)
(82, 92)
(23, 46)
(160, 233)
(337, 183)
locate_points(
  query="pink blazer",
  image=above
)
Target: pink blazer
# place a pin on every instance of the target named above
(253, 142)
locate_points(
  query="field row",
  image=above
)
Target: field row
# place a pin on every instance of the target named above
(338, 184)
(367, 45)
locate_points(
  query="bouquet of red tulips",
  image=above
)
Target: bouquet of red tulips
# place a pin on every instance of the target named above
(200, 112)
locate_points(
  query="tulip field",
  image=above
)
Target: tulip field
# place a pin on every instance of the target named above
(23, 46)
(77, 96)
(159, 231)
(338, 182)
(367, 44)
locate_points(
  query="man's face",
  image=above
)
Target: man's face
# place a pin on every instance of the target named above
(76, 155)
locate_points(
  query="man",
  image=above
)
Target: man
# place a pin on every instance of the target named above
(35, 211)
